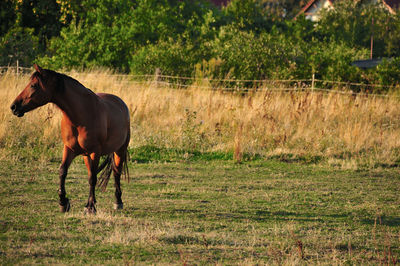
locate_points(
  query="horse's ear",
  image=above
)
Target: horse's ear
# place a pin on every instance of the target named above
(38, 68)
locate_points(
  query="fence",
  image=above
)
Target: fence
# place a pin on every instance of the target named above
(17, 70)
(234, 85)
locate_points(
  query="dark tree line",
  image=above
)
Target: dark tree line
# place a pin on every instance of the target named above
(247, 39)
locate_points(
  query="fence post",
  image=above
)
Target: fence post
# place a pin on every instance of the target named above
(157, 75)
(313, 81)
(17, 68)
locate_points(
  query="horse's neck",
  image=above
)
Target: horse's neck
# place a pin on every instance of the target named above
(76, 102)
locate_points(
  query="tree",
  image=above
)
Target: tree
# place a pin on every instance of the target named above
(7, 15)
(41, 15)
(248, 15)
(18, 44)
(366, 21)
(112, 32)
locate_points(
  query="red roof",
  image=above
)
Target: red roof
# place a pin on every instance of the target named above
(392, 5)
(220, 2)
(308, 5)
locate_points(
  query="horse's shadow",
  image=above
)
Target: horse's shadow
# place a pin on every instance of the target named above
(383, 220)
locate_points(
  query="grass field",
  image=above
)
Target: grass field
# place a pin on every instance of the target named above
(204, 212)
(345, 130)
(265, 177)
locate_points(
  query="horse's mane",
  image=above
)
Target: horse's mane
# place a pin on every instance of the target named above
(60, 85)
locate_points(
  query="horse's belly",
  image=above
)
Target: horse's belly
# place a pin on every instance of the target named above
(106, 133)
(114, 142)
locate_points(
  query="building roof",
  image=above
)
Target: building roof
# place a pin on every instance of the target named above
(391, 5)
(369, 63)
(310, 4)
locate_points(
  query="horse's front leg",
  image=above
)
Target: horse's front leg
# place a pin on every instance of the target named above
(68, 156)
(92, 163)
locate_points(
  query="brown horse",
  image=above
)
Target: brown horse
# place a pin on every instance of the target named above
(92, 125)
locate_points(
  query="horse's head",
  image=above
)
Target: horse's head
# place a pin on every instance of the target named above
(39, 91)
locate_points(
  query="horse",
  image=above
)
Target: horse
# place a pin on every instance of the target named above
(93, 125)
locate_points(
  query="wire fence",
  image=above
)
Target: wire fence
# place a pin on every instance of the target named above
(241, 86)
(15, 70)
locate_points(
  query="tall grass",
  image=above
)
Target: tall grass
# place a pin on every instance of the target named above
(345, 130)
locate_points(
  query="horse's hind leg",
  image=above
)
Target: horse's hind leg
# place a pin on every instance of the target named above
(68, 156)
(119, 159)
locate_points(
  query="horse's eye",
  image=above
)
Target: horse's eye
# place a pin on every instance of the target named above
(34, 86)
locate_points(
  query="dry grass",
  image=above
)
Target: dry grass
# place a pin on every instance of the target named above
(346, 130)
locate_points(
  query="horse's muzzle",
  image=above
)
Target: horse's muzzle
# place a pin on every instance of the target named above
(16, 109)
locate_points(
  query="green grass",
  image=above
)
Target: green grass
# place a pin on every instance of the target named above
(203, 212)
(150, 153)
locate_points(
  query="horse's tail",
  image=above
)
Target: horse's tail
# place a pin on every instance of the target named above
(126, 168)
(105, 170)
(107, 166)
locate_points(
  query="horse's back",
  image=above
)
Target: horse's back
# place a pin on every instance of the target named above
(114, 104)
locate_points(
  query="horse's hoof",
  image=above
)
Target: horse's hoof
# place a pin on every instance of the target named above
(118, 206)
(90, 210)
(66, 207)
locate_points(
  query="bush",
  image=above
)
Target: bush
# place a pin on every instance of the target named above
(387, 74)
(332, 61)
(100, 39)
(247, 55)
(115, 34)
(172, 57)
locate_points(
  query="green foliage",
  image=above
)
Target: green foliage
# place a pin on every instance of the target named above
(247, 39)
(173, 57)
(43, 16)
(331, 61)
(18, 44)
(388, 72)
(135, 36)
(247, 55)
(191, 137)
(366, 21)
(98, 40)
(248, 15)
